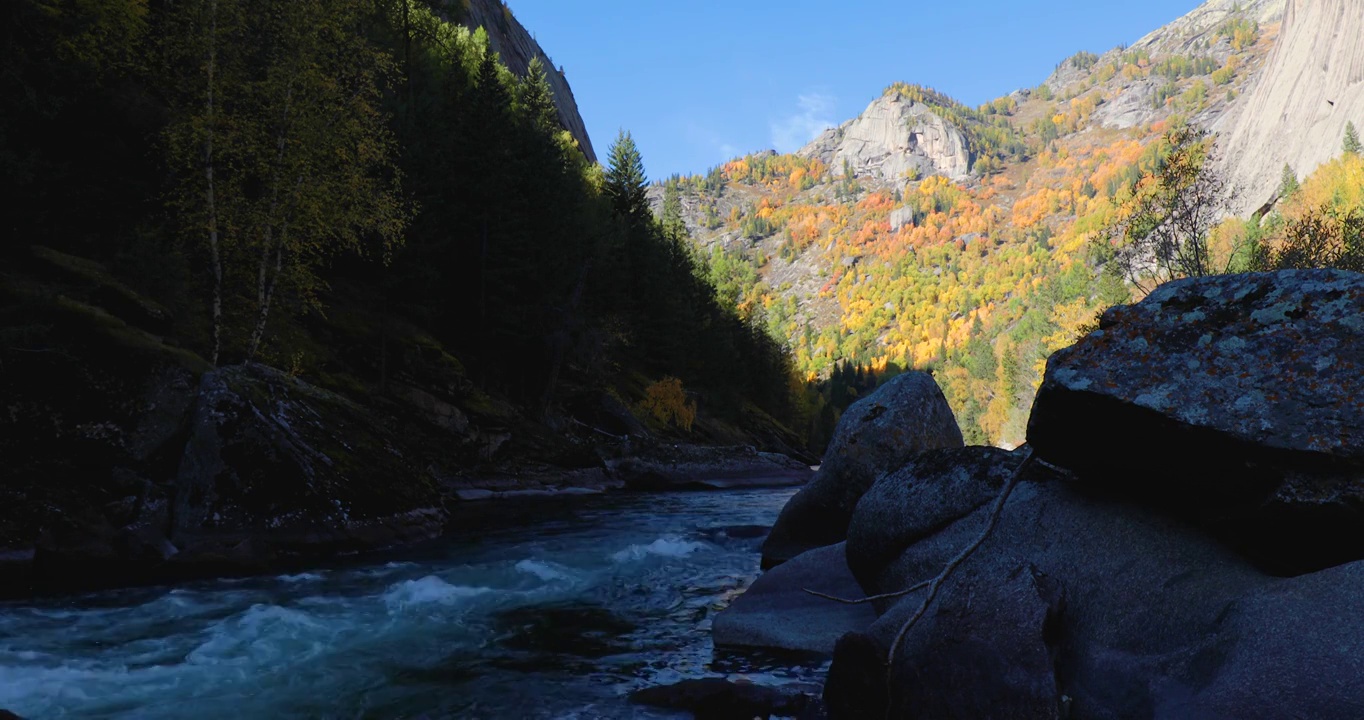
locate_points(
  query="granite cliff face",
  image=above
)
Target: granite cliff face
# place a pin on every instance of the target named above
(515, 44)
(1312, 85)
(892, 137)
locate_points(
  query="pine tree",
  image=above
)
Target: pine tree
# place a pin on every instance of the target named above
(535, 99)
(1288, 185)
(625, 179)
(490, 100)
(673, 224)
(1352, 144)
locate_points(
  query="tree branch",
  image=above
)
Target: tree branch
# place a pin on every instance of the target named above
(870, 598)
(936, 583)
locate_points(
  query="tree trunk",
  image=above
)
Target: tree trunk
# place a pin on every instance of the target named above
(272, 248)
(215, 255)
(267, 294)
(564, 338)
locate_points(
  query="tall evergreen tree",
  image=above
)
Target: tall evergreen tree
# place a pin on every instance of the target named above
(625, 182)
(1288, 184)
(673, 224)
(1352, 145)
(535, 99)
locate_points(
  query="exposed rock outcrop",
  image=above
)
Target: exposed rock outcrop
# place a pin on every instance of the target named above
(270, 471)
(517, 46)
(278, 462)
(1235, 399)
(1204, 21)
(1132, 107)
(1312, 85)
(876, 435)
(892, 137)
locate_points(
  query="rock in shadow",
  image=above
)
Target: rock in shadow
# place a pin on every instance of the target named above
(720, 699)
(586, 631)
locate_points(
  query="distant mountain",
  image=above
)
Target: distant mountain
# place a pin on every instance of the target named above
(926, 232)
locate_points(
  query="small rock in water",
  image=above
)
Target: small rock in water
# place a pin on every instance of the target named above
(7, 715)
(747, 531)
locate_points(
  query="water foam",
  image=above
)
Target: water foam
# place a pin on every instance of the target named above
(264, 635)
(429, 590)
(670, 546)
(546, 571)
(299, 578)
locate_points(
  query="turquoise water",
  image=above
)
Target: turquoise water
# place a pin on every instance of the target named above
(548, 610)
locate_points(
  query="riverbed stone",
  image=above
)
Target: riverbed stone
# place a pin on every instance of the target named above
(776, 613)
(1237, 400)
(878, 434)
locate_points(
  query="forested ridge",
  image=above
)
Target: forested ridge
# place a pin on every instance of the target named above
(341, 190)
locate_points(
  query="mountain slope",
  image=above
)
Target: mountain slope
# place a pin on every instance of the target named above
(929, 233)
(1312, 86)
(517, 46)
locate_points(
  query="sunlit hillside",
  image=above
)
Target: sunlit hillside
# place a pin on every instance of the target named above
(978, 278)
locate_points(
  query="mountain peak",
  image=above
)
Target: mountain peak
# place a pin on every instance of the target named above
(894, 138)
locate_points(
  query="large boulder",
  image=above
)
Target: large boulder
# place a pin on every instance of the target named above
(876, 435)
(776, 613)
(1237, 401)
(1090, 607)
(927, 494)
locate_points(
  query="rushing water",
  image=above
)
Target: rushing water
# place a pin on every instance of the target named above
(553, 610)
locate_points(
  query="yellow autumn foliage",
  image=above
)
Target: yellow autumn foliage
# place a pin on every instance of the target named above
(667, 402)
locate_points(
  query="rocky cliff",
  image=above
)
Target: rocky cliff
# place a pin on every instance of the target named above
(892, 137)
(517, 46)
(1296, 113)
(1205, 20)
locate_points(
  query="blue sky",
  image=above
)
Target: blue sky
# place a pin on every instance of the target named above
(699, 81)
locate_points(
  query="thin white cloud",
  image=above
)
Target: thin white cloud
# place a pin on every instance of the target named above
(794, 131)
(707, 141)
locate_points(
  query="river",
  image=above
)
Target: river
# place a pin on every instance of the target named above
(552, 609)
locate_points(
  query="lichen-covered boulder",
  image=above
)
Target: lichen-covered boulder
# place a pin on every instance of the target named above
(927, 494)
(1238, 400)
(876, 435)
